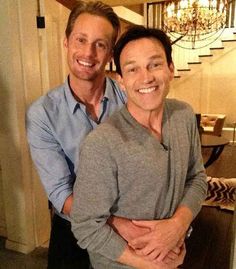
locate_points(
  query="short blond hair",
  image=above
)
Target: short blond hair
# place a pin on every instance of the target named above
(94, 8)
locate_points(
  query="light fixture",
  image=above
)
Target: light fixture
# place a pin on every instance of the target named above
(197, 23)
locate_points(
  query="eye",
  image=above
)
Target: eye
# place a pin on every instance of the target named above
(155, 65)
(101, 45)
(80, 40)
(131, 70)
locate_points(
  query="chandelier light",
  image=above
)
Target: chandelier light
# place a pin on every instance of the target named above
(194, 21)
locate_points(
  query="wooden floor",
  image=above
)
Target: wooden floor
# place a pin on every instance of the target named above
(210, 244)
(208, 247)
(14, 260)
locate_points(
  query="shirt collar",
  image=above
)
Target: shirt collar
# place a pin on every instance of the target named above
(72, 103)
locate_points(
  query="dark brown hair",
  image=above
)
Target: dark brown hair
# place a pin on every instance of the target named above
(137, 32)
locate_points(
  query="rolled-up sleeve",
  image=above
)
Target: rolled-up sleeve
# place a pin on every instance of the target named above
(48, 157)
(95, 197)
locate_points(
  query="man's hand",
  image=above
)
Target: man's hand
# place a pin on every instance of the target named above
(174, 254)
(173, 259)
(67, 205)
(164, 236)
(126, 229)
(129, 257)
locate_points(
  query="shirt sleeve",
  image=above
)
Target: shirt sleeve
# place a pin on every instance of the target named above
(48, 157)
(196, 185)
(95, 196)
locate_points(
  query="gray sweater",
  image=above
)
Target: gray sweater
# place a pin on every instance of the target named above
(125, 171)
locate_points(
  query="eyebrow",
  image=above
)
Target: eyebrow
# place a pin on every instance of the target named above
(153, 57)
(79, 33)
(106, 39)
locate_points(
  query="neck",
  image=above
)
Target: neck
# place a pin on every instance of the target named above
(152, 120)
(90, 93)
(87, 91)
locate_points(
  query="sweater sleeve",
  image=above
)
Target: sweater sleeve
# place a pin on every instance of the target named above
(196, 185)
(95, 196)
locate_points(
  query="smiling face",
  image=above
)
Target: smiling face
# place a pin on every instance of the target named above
(145, 75)
(89, 47)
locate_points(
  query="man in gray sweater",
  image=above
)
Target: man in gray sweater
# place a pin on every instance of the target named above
(144, 164)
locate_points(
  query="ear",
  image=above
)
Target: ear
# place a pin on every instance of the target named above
(110, 57)
(120, 82)
(172, 70)
(65, 42)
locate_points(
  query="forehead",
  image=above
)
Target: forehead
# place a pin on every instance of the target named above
(89, 24)
(142, 48)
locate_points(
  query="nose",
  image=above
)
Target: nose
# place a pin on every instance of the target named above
(89, 49)
(147, 76)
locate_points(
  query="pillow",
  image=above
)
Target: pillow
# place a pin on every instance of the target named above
(221, 192)
(208, 120)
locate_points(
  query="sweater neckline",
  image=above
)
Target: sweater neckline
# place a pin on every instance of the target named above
(165, 123)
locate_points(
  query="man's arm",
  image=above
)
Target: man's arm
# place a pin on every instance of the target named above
(126, 228)
(49, 159)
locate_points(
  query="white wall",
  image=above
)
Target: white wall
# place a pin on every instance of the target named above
(211, 86)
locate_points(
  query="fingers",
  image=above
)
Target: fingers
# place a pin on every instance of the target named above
(172, 255)
(140, 242)
(180, 242)
(150, 257)
(176, 250)
(144, 223)
(162, 255)
(180, 259)
(147, 249)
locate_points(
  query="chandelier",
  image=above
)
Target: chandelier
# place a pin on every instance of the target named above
(197, 23)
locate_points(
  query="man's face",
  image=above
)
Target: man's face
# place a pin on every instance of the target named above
(145, 75)
(89, 47)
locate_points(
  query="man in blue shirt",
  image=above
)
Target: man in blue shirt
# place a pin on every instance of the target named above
(58, 122)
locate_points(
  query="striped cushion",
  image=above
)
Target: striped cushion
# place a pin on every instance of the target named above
(221, 192)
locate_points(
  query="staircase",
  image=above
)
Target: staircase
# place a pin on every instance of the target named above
(184, 59)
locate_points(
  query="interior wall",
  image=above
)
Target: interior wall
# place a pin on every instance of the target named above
(3, 230)
(211, 86)
(19, 71)
(53, 58)
(53, 71)
(24, 77)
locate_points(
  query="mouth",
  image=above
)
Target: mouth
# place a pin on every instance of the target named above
(147, 90)
(86, 64)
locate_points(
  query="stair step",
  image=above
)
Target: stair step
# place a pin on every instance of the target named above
(209, 54)
(217, 48)
(229, 40)
(195, 62)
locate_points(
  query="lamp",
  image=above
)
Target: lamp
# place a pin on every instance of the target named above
(196, 22)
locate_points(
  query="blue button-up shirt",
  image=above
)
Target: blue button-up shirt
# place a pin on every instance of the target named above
(56, 125)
